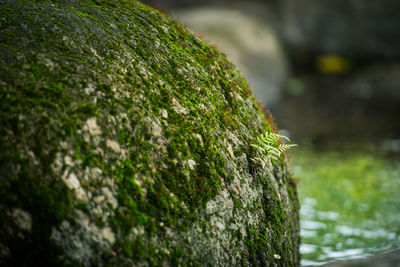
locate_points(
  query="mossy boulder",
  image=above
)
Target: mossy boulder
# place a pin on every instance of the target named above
(125, 141)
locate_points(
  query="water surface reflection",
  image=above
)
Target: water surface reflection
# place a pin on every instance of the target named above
(350, 204)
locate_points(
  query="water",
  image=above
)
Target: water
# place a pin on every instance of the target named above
(350, 204)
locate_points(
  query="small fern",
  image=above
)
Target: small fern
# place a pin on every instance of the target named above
(270, 144)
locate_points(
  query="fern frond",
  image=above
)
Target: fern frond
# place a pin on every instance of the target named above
(258, 147)
(284, 147)
(268, 143)
(274, 157)
(274, 151)
(270, 148)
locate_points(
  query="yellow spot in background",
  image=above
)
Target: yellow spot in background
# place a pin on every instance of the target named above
(332, 64)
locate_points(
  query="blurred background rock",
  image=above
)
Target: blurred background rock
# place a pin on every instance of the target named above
(250, 44)
(329, 72)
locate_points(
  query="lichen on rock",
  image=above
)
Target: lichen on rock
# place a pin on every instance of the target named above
(125, 140)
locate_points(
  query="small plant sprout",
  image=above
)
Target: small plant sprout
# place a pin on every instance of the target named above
(271, 144)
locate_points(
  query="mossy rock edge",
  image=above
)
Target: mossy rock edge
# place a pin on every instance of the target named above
(125, 141)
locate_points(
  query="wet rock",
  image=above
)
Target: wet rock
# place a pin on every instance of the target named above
(125, 140)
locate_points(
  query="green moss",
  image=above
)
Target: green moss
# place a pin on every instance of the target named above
(121, 65)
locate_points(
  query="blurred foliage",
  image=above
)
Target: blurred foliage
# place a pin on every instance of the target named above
(294, 87)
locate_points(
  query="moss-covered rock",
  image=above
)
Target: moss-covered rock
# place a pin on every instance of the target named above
(125, 141)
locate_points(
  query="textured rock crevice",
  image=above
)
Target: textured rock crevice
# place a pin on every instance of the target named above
(125, 140)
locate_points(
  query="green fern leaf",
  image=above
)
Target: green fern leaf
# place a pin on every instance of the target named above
(269, 145)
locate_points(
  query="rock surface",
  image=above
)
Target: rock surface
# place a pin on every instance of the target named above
(125, 140)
